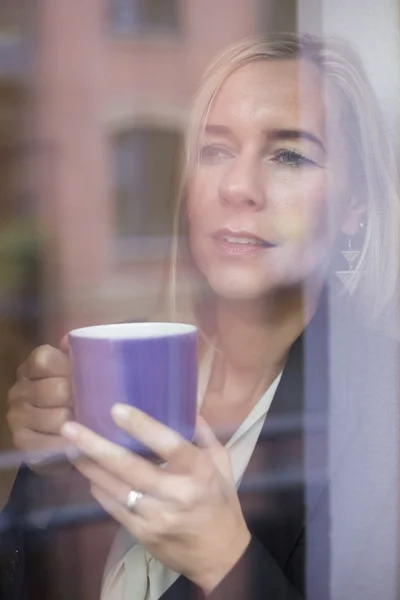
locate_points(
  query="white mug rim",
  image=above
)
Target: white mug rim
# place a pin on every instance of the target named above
(129, 331)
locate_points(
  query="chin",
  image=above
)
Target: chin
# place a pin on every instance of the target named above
(239, 286)
(247, 284)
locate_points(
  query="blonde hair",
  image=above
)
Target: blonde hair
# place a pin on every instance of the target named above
(376, 176)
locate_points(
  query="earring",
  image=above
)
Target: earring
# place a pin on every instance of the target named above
(351, 257)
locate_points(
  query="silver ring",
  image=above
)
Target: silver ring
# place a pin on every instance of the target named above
(132, 500)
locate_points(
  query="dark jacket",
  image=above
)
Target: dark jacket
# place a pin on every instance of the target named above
(328, 412)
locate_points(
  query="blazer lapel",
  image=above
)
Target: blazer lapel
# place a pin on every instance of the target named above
(279, 490)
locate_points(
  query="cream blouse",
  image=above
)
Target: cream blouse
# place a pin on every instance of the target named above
(131, 572)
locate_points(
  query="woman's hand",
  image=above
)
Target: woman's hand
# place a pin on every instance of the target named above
(40, 402)
(189, 516)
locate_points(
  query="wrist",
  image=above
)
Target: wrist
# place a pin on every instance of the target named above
(223, 562)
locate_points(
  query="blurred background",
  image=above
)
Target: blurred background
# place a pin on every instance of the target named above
(93, 100)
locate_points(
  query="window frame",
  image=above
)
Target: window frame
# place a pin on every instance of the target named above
(143, 27)
(130, 248)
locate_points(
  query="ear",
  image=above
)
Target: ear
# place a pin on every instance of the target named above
(355, 214)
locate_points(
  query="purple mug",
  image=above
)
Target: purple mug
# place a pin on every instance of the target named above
(151, 366)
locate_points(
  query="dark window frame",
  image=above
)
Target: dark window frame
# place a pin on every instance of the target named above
(151, 239)
(136, 17)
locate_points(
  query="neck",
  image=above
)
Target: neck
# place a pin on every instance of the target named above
(254, 335)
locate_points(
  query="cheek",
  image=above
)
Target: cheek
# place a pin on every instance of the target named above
(299, 203)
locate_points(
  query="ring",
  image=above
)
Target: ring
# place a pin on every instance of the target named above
(132, 500)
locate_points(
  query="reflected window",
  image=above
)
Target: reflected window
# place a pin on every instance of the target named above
(15, 16)
(145, 177)
(278, 15)
(130, 16)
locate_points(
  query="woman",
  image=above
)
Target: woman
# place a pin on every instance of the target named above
(286, 166)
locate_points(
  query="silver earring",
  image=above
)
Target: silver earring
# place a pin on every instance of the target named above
(351, 257)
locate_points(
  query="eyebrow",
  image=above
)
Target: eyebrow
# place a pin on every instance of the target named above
(219, 130)
(275, 134)
(295, 134)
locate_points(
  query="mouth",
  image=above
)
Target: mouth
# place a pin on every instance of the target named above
(240, 242)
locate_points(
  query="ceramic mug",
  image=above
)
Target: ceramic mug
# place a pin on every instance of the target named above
(151, 366)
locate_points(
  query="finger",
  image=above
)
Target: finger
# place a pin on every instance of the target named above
(49, 456)
(19, 393)
(46, 361)
(138, 472)
(104, 480)
(132, 522)
(47, 420)
(64, 344)
(159, 438)
(28, 440)
(149, 507)
(147, 529)
(52, 392)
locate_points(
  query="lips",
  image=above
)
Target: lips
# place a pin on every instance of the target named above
(242, 238)
(240, 243)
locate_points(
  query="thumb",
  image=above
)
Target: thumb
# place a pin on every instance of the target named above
(64, 344)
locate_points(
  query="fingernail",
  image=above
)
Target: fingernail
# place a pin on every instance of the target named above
(69, 430)
(121, 411)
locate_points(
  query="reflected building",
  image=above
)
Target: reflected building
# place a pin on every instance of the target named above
(20, 248)
(114, 80)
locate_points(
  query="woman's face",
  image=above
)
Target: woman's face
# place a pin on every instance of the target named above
(269, 193)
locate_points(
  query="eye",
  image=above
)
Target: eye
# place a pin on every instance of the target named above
(211, 153)
(292, 158)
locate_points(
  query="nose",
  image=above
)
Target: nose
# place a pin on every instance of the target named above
(241, 186)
